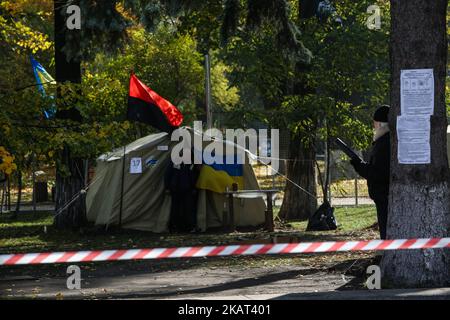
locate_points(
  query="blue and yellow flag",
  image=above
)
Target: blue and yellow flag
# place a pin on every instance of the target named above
(219, 177)
(42, 78)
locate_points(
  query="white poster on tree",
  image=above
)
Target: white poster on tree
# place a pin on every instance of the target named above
(413, 133)
(413, 126)
(417, 92)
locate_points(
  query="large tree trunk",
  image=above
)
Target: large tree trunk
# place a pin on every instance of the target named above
(419, 200)
(70, 204)
(297, 204)
(300, 168)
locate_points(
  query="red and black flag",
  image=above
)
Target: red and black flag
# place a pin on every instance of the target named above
(145, 105)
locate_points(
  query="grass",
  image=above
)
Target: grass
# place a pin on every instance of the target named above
(349, 218)
(35, 232)
(346, 188)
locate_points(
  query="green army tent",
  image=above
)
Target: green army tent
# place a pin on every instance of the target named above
(145, 204)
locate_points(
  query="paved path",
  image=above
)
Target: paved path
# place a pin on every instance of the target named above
(397, 294)
(29, 207)
(349, 201)
(196, 280)
(126, 281)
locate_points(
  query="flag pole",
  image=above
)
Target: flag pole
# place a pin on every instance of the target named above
(123, 174)
(208, 91)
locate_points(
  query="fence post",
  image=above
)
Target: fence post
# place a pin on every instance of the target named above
(269, 212)
(8, 181)
(34, 189)
(2, 196)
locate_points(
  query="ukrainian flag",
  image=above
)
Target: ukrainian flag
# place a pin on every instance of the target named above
(42, 78)
(219, 177)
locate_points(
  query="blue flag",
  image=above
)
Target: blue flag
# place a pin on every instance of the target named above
(43, 78)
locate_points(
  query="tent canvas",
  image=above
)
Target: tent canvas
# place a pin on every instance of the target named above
(145, 204)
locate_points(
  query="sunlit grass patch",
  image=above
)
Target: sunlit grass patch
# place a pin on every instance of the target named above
(348, 218)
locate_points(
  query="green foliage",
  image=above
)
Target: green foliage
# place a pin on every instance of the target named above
(169, 63)
(346, 79)
(252, 78)
(224, 96)
(24, 29)
(260, 71)
(105, 23)
(152, 13)
(232, 9)
(33, 140)
(23, 26)
(166, 62)
(203, 25)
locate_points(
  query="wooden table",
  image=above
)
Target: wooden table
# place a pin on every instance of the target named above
(269, 226)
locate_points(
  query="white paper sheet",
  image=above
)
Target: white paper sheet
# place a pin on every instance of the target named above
(413, 128)
(136, 165)
(417, 92)
(413, 133)
(414, 153)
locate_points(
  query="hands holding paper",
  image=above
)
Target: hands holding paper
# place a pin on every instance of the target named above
(355, 162)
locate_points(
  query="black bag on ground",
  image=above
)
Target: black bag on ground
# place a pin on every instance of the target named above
(323, 219)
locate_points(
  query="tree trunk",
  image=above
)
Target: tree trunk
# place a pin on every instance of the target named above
(419, 199)
(297, 204)
(70, 205)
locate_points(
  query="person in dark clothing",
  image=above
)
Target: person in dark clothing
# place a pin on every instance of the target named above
(180, 181)
(377, 170)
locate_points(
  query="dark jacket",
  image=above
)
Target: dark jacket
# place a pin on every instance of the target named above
(376, 170)
(181, 179)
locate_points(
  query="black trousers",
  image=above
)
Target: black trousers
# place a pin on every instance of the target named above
(183, 215)
(381, 204)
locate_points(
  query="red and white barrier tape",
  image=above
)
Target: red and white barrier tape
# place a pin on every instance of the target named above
(230, 250)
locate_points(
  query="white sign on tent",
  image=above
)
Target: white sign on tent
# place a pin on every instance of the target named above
(136, 165)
